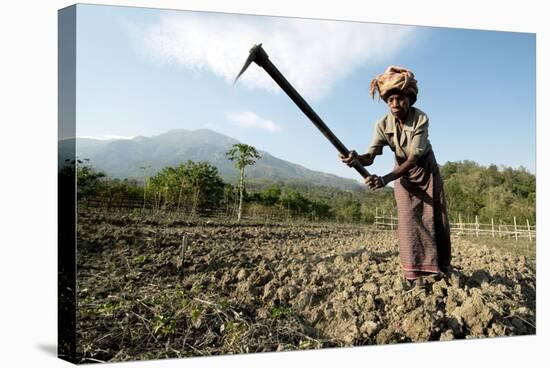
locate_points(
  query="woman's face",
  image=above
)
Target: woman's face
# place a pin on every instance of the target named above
(399, 105)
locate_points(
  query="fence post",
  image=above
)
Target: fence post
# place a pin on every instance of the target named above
(492, 227)
(461, 226)
(391, 220)
(529, 230)
(477, 228)
(376, 218)
(515, 228)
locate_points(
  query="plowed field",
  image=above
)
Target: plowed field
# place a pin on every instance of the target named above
(244, 288)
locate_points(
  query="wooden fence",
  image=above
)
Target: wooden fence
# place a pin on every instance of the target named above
(515, 231)
(251, 213)
(382, 221)
(112, 203)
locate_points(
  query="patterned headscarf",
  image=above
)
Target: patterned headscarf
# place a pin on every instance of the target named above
(395, 78)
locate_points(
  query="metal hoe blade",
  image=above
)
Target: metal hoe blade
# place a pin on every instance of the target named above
(253, 53)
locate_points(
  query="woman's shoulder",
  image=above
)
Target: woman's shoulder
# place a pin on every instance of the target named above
(419, 114)
(419, 117)
(381, 122)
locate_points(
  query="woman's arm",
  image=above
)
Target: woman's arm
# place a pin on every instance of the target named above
(376, 182)
(365, 160)
(400, 170)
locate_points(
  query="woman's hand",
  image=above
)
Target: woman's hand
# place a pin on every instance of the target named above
(353, 157)
(375, 182)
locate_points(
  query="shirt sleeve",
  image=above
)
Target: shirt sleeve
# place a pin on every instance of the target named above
(378, 139)
(419, 141)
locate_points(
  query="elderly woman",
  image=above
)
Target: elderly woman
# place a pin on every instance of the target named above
(423, 227)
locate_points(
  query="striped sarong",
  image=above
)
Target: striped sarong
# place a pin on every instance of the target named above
(423, 227)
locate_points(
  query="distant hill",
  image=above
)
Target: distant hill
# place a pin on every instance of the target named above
(123, 158)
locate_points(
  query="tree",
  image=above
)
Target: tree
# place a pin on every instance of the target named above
(196, 184)
(206, 185)
(270, 196)
(295, 202)
(489, 192)
(350, 211)
(88, 178)
(320, 210)
(243, 155)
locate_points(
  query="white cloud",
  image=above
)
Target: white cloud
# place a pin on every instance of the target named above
(312, 54)
(248, 119)
(105, 137)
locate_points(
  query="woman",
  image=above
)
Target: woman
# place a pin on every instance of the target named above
(423, 227)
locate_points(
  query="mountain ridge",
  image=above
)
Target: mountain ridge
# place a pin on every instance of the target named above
(126, 158)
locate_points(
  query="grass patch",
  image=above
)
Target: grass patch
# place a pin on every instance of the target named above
(110, 307)
(280, 312)
(163, 326)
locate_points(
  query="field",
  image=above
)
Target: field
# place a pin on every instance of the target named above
(251, 287)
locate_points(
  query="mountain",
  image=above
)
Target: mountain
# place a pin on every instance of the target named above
(125, 158)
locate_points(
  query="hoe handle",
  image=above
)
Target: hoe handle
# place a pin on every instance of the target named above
(262, 59)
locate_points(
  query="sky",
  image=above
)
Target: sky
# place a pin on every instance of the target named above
(142, 72)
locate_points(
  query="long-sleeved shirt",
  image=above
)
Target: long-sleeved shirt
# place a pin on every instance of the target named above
(413, 137)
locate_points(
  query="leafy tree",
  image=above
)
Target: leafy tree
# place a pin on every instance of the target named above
(243, 155)
(295, 202)
(471, 190)
(206, 185)
(320, 210)
(489, 192)
(350, 211)
(269, 196)
(88, 178)
(194, 185)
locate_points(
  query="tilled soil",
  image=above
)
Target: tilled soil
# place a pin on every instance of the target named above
(255, 287)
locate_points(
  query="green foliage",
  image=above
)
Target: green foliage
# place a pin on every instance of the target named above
(350, 211)
(321, 202)
(110, 307)
(195, 315)
(89, 180)
(280, 312)
(243, 155)
(194, 186)
(95, 183)
(268, 197)
(125, 188)
(320, 210)
(489, 192)
(470, 189)
(141, 259)
(163, 326)
(294, 201)
(233, 332)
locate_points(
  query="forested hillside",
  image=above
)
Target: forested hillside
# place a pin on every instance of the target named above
(489, 192)
(196, 187)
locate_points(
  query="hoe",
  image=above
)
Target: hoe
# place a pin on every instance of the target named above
(260, 57)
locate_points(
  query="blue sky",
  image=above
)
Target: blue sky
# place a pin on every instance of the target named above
(146, 71)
